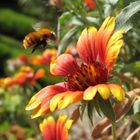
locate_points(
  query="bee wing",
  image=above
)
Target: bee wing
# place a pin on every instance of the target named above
(39, 25)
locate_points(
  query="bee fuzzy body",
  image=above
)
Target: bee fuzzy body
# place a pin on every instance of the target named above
(38, 38)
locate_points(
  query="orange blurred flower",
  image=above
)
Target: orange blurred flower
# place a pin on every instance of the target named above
(52, 130)
(6, 82)
(36, 60)
(43, 59)
(48, 55)
(98, 50)
(26, 75)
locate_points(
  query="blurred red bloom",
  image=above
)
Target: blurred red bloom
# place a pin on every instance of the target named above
(91, 4)
(23, 58)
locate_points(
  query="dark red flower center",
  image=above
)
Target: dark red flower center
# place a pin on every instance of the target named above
(88, 75)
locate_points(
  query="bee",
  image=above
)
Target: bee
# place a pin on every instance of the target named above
(38, 38)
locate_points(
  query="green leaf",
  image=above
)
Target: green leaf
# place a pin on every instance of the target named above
(136, 118)
(136, 107)
(82, 109)
(67, 39)
(97, 107)
(106, 108)
(64, 17)
(90, 109)
(128, 16)
(61, 20)
(134, 68)
(4, 126)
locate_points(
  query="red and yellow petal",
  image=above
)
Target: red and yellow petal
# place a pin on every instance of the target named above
(117, 91)
(56, 100)
(103, 36)
(90, 93)
(113, 48)
(105, 90)
(70, 98)
(48, 127)
(64, 99)
(85, 45)
(62, 127)
(103, 44)
(64, 65)
(110, 42)
(102, 89)
(40, 103)
(108, 24)
(52, 130)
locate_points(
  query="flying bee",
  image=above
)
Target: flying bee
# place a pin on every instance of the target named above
(38, 38)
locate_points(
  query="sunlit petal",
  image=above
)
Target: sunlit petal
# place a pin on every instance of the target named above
(104, 91)
(117, 91)
(103, 36)
(55, 101)
(90, 93)
(113, 48)
(70, 98)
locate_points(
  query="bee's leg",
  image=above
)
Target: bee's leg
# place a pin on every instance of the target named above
(34, 48)
(44, 44)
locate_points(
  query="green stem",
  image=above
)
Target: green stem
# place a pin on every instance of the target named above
(114, 131)
(99, 9)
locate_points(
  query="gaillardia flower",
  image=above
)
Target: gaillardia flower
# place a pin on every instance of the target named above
(52, 130)
(25, 76)
(43, 59)
(98, 51)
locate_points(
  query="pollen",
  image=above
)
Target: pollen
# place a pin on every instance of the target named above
(88, 75)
